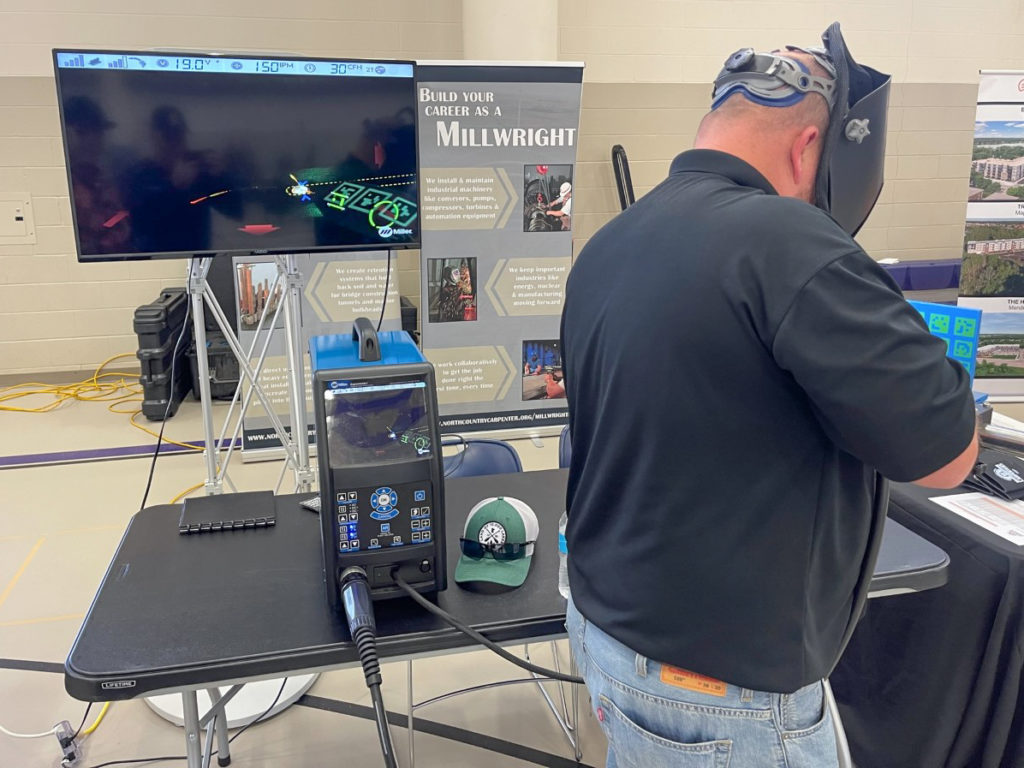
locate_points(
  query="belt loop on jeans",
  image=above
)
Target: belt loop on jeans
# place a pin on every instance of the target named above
(746, 695)
(641, 665)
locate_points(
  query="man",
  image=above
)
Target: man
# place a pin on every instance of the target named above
(720, 506)
(450, 304)
(97, 195)
(554, 384)
(563, 211)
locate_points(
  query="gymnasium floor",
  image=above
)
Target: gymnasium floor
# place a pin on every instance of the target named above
(59, 527)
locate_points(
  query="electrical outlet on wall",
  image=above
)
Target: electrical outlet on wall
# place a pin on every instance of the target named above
(17, 225)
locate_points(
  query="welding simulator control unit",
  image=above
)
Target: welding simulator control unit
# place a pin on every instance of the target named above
(379, 454)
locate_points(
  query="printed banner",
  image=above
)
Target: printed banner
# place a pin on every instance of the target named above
(497, 160)
(992, 275)
(336, 289)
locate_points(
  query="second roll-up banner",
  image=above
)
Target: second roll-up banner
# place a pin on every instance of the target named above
(497, 160)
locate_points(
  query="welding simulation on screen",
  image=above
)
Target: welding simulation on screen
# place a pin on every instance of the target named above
(186, 155)
(374, 425)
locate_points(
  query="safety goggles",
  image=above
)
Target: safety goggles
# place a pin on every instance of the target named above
(507, 551)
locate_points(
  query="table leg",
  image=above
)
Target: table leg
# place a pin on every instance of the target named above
(842, 746)
(409, 722)
(190, 714)
(578, 744)
(569, 721)
(565, 721)
(223, 746)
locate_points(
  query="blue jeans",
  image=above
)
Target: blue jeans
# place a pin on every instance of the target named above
(654, 719)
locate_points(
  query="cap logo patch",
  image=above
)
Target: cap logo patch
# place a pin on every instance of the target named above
(492, 534)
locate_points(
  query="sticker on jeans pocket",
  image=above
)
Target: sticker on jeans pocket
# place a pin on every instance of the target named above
(691, 681)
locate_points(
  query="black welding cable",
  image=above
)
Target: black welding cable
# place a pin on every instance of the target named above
(472, 633)
(355, 596)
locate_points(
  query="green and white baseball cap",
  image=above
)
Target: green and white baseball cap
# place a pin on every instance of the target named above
(498, 542)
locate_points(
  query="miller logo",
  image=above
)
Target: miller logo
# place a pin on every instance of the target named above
(385, 231)
(117, 685)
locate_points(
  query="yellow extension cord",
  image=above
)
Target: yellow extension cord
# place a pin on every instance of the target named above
(123, 389)
(98, 720)
(88, 389)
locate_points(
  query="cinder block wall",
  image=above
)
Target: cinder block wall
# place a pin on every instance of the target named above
(920, 214)
(649, 68)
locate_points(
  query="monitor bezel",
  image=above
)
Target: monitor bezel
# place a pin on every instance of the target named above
(154, 255)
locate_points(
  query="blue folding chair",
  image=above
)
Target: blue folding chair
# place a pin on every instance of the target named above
(564, 448)
(480, 456)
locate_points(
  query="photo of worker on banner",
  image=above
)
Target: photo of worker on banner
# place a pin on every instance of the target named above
(451, 287)
(547, 198)
(543, 378)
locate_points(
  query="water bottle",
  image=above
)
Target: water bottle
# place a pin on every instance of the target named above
(563, 558)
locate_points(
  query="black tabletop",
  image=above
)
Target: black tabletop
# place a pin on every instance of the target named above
(907, 562)
(179, 611)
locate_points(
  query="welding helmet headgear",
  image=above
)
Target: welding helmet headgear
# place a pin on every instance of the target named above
(851, 168)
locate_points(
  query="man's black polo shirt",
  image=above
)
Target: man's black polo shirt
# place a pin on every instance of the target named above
(736, 368)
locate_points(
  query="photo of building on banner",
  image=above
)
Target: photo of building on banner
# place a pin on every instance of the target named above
(992, 273)
(497, 157)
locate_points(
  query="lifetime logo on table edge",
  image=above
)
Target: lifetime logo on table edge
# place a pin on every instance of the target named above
(117, 685)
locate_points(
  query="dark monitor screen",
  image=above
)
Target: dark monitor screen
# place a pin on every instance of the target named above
(376, 423)
(174, 155)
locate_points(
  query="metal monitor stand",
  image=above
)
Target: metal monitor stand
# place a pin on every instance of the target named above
(296, 450)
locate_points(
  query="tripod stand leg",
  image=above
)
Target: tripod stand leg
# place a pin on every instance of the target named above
(196, 284)
(296, 371)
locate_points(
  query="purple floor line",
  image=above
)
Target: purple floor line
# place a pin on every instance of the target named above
(92, 454)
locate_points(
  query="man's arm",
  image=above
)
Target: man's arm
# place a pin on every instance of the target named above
(881, 386)
(954, 473)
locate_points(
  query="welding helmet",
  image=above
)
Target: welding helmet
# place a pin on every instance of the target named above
(850, 171)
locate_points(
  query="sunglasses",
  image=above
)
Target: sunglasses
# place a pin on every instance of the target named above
(508, 551)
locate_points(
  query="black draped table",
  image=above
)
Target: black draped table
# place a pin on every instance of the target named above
(932, 679)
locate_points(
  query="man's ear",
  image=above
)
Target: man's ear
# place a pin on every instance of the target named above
(803, 156)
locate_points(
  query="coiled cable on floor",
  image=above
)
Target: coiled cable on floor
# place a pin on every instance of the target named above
(97, 388)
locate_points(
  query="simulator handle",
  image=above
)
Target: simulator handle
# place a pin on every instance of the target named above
(623, 178)
(365, 334)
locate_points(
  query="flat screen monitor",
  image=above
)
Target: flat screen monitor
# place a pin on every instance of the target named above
(179, 155)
